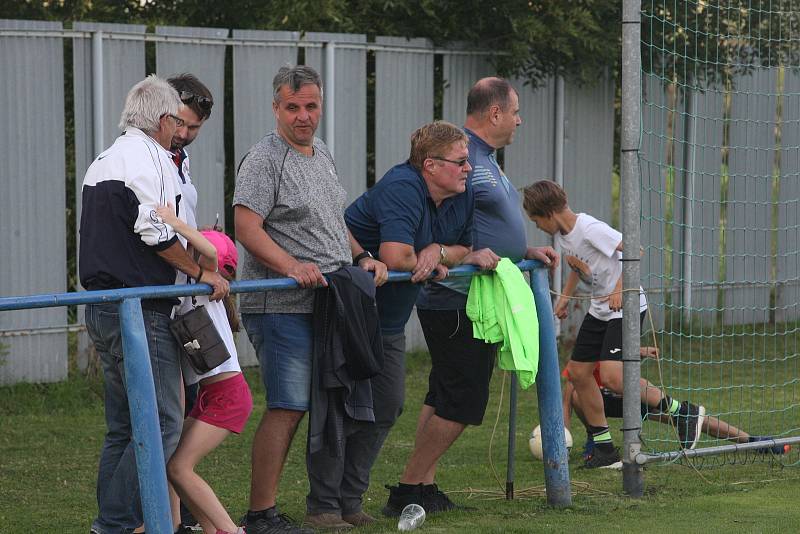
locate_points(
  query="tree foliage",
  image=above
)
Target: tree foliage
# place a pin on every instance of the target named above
(534, 39)
(704, 43)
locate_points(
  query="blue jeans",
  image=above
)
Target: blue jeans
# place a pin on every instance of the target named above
(120, 509)
(284, 343)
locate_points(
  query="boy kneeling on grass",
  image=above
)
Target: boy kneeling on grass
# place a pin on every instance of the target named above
(593, 251)
(715, 427)
(223, 403)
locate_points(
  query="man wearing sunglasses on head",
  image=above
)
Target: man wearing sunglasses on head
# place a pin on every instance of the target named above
(197, 103)
(196, 109)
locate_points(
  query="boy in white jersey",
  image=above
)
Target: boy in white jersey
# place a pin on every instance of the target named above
(593, 251)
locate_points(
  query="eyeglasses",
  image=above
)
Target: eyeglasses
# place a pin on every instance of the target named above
(179, 122)
(204, 102)
(459, 162)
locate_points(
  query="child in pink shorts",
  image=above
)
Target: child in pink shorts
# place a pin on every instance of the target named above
(223, 403)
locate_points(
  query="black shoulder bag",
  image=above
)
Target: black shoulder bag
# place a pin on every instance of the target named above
(202, 345)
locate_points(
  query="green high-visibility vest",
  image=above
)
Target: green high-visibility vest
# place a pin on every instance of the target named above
(501, 307)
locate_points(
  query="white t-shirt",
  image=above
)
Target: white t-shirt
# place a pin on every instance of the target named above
(590, 250)
(188, 209)
(216, 310)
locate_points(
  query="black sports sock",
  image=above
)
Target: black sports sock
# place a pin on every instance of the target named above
(255, 514)
(602, 438)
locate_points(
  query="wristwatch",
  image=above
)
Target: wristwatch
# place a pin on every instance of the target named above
(442, 254)
(364, 254)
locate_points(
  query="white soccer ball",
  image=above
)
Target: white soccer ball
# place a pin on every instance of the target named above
(535, 443)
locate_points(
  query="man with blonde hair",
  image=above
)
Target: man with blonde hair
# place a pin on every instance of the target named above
(125, 244)
(462, 365)
(417, 218)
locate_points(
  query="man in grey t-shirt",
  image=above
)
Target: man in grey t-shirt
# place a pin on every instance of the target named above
(289, 215)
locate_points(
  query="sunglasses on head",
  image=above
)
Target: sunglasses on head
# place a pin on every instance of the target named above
(204, 102)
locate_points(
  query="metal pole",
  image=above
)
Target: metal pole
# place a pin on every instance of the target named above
(689, 153)
(548, 391)
(632, 473)
(97, 92)
(144, 419)
(722, 449)
(558, 169)
(512, 434)
(330, 97)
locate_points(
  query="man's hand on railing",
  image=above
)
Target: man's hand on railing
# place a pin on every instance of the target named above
(427, 261)
(546, 255)
(216, 281)
(307, 275)
(485, 259)
(377, 267)
(441, 272)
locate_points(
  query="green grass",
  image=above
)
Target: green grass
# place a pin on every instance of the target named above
(50, 437)
(745, 374)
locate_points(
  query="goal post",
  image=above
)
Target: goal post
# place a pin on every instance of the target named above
(718, 154)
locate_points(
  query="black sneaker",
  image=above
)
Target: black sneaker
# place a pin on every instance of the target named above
(435, 500)
(186, 529)
(603, 459)
(399, 498)
(271, 521)
(689, 422)
(770, 449)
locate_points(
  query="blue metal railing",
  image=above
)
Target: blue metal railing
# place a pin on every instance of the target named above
(142, 397)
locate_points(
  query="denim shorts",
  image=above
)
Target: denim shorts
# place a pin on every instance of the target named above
(284, 344)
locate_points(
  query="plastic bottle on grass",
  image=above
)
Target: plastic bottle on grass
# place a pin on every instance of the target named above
(411, 517)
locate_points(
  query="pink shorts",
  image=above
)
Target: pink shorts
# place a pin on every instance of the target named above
(225, 404)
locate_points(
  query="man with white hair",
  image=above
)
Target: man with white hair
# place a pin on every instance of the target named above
(125, 244)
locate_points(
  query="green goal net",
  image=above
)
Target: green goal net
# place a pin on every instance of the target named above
(720, 201)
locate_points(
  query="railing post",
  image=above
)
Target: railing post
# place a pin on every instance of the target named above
(98, 120)
(144, 419)
(548, 391)
(512, 434)
(330, 97)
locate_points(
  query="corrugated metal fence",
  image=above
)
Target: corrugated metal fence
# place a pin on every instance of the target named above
(33, 162)
(719, 199)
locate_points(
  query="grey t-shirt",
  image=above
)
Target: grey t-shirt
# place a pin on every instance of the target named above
(302, 203)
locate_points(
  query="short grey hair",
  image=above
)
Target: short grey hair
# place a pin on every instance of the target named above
(147, 102)
(294, 77)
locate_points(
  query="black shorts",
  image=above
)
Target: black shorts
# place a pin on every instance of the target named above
(599, 340)
(612, 405)
(461, 366)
